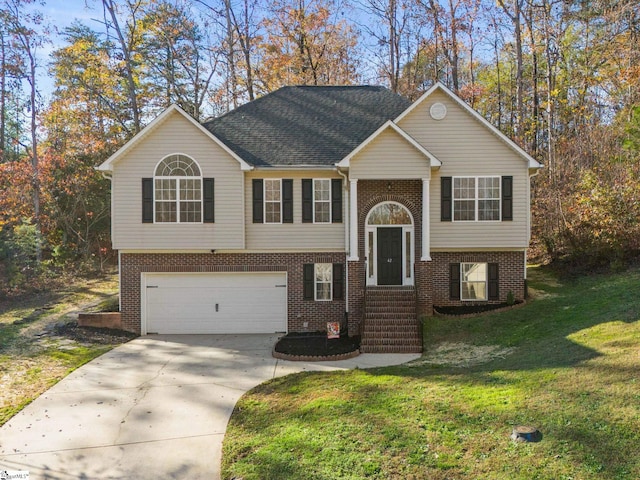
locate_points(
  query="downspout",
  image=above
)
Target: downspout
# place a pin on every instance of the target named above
(346, 241)
(108, 176)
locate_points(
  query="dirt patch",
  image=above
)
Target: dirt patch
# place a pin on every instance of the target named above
(316, 344)
(461, 354)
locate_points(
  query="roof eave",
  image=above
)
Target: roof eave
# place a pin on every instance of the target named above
(433, 160)
(532, 162)
(107, 165)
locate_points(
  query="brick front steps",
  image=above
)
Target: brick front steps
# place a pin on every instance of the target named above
(391, 321)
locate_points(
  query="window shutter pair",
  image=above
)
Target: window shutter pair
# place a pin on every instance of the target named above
(446, 198)
(308, 281)
(208, 200)
(286, 197)
(493, 283)
(307, 200)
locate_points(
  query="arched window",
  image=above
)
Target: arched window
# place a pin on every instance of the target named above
(178, 190)
(389, 213)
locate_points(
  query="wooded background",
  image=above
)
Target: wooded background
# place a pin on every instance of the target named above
(560, 77)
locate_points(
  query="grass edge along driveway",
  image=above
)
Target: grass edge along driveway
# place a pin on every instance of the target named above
(568, 363)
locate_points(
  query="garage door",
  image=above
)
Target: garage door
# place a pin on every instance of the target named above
(214, 303)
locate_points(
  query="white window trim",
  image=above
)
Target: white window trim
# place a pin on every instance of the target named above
(372, 280)
(177, 200)
(178, 180)
(315, 283)
(321, 201)
(486, 282)
(265, 201)
(476, 199)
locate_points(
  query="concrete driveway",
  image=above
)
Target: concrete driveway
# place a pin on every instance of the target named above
(154, 408)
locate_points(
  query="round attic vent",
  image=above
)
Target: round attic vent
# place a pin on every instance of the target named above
(438, 111)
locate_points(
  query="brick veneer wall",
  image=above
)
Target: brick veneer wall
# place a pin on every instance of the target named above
(299, 310)
(510, 273)
(431, 278)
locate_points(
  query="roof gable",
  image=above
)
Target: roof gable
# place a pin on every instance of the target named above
(390, 125)
(532, 162)
(108, 164)
(306, 125)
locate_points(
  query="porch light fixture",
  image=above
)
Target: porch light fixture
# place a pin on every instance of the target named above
(389, 186)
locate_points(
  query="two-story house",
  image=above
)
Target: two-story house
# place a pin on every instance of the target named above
(318, 204)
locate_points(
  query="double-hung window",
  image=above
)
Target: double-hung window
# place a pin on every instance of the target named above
(322, 200)
(476, 198)
(473, 281)
(323, 281)
(272, 200)
(177, 191)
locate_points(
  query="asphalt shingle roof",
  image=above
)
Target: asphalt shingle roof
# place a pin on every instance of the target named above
(306, 125)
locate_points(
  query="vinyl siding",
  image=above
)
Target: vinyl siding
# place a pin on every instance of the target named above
(389, 156)
(468, 148)
(176, 135)
(297, 235)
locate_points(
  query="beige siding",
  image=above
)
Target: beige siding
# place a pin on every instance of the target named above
(467, 148)
(296, 235)
(177, 135)
(389, 156)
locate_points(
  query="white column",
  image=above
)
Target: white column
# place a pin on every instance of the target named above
(353, 220)
(426, 230)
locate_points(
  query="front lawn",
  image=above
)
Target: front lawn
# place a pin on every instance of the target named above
(567, 363)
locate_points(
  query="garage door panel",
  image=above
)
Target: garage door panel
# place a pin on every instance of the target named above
(216, 303)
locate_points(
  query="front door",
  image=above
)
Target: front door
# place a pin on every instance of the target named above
(389, 256)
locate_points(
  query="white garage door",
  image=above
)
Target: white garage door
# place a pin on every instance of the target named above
(208, 303)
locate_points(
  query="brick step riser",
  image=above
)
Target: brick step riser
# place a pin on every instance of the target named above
(409, 339)
(383, 327)
(397, 343)
(390, 348)
(390, 307)
(390, 320)
(390, 316)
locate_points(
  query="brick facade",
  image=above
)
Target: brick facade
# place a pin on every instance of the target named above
(511, 274)
(299, 310)
(431, 279)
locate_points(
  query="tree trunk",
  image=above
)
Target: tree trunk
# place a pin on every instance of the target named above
(128, 64)
(3, 95)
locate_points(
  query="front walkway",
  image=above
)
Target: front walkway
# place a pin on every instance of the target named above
(156, 407)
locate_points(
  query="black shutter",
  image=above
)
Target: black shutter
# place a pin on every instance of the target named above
(308, 278)
(338, 281)
(258, 193)
(445, 199)
(287, 201)
(454, 281)
(147, 200)
(307, 200)
(494, 282)
(208, 215)
(336, 200)
(507, 198)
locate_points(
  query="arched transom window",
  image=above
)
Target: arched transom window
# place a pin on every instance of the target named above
(389, 214)
(178, 190)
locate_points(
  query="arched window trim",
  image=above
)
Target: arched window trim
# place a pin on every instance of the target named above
(408, 245)
(381, 204)
(178, 198)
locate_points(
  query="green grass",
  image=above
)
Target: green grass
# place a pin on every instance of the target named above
(574, 373)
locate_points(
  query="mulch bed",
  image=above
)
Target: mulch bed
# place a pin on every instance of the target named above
(92, 335)
(472, 309)
(316, 344)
